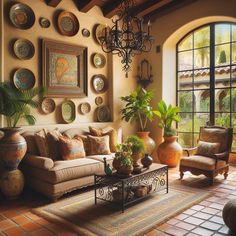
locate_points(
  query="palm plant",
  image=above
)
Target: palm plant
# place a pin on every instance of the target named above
(15, 104)
(166, 115)
(138, 107)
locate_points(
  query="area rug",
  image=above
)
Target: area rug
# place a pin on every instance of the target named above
(83, 216)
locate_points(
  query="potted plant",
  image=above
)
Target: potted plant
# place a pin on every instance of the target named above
(123, 162)
(15, 104)
(137, 147)
(138, 108)
(170, 151)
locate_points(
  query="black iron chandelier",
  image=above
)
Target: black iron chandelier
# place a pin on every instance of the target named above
(126, 37)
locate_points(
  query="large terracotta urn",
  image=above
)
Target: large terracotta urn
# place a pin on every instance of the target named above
(148, 141)
(169, 152)
(12, 150)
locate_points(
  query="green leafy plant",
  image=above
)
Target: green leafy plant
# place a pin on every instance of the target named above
(166, 115)
(138, 107)
(15, 104)
(137, 144)
(124, 154)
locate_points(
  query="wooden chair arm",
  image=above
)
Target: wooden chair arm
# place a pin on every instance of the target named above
(188, 150)
(221, 155)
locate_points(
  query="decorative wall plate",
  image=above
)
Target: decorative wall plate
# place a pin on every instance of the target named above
(99, 31)
(24, 79)
(85, 108)
(85, 33)
(103, 114)
(98, 100)
(68, 111)
(48, 105)
(44, 22)
(99, 83)
(99, 60)
(23, 49)
(68, 23)
(22, 16)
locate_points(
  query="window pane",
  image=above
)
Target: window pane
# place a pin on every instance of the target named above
(234, 144)
(222, 33)
(233, 32)
(222, 119)
(233, 76)
(185, 124)
(222, 77)
(200, 119)
(222, 100)
(185, 80)
(196, 137)
(186, 43)
(185, 60)
(185, 139)
(202, 100)
(201, 79)
(185, 101)
(233, 101)
(202, 58)
(234, 121)
(233, 53)
(222, 54)
(202, 37)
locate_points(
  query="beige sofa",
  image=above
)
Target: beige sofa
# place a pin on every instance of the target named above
(55, 178)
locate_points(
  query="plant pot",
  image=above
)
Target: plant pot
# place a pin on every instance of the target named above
(136, 157)
(125, 170)
(12, 150)
(148, 141)
(146, 161)
(169, 152)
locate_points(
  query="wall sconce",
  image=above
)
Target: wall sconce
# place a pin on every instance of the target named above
(144, 73)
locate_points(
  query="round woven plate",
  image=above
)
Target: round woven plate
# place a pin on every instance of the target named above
(85, 108)
(68, 23)
(44, 22)
(99, 60)
(48, 105)
(103, 114)
(98, 100)
(99, 83)
(68, 111)
(99, 31)
(22, 16)
(23, 49)
(24, 79)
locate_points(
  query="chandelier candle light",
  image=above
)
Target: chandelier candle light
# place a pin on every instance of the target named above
(126, 37)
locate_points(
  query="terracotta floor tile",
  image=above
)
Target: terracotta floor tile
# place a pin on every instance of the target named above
(202, 232)
(181, 216)
(224, 230)
(32, 216)
(15, 231)
(194, 220)
(186, 226)
(217, 219)
(21, 219)
(191, 234)
(164, 227)
(10, 214)
(30, 226)
(42, 222)
(176, 231)
(189, 212)
(217, 206)
(42, 232)
(6, 224)
(2, 218)
(211, 225)
(209, 210)
(202, 215)
(197, 207)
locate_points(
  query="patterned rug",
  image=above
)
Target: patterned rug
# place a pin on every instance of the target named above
(82, 215)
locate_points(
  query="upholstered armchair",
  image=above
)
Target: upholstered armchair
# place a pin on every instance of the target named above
(212, 154)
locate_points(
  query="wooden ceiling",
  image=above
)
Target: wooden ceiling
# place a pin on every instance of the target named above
(148, 9)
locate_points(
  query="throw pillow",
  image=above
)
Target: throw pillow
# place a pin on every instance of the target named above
(71, 148)
(99, 145)
(102, 132)
(207, 149)
(31, 143)
(53, 144)
(41, 141)
(86, 142)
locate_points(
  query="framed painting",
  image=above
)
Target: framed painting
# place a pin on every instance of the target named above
(64, 69)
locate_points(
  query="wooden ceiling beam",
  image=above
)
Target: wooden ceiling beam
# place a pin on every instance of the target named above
(167, 8)
(86, 5)
(149, 6)
(109, 10)
(53, 3)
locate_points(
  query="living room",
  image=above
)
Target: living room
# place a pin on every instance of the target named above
(84, 80)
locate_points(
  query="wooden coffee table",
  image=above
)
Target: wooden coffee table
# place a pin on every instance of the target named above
(125, 191)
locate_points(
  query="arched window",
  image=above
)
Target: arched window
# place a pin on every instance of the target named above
(206, 80)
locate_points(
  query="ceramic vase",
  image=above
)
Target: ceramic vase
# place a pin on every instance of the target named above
(12, 150)
(146, 161)
(148, 141)
(169, 152)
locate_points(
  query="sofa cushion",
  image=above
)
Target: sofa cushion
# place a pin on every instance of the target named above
(53, 144)
(44, 163)
(99, 145)
(109, 157)
(31, 143)
(71, 148)
(207, 149)
(86, 142)
(201, 162)
(41, 140)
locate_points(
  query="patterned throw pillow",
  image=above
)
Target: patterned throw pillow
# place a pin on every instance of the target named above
(71, 148)
(102, 132)
(99, 145)
(41, 141)
(86, 142)
(207, 149)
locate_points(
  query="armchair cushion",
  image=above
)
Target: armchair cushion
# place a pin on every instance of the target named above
(207, 149)
(201, 162)
(44, 163)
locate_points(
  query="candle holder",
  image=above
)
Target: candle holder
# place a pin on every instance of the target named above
(145, 76)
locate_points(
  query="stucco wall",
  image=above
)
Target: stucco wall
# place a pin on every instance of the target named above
(168, 30)
(118, 84)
